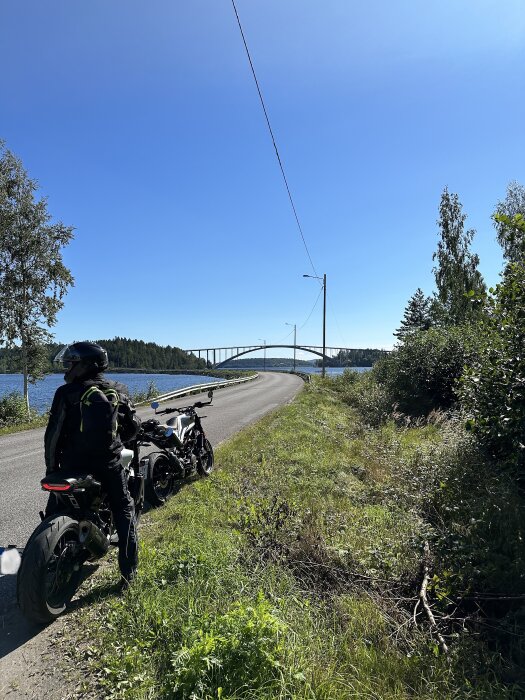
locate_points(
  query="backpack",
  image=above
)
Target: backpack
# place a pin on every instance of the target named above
(127, 423)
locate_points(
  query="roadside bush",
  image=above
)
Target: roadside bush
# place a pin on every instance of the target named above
(364, 393)
(469, 511)
(493, 387)
(150, 393)
(421, 375)
(13, 410)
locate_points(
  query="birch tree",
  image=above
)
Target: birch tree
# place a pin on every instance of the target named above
(511, 237)
(457, 276)
(33, 277)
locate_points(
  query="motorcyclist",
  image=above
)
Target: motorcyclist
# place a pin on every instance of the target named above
(82, 436)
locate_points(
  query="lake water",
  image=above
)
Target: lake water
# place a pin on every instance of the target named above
(308, 369)
(41, 393)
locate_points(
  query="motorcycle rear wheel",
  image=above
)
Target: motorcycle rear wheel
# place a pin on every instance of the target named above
(160, 481)
(51, 570)
(205, 459)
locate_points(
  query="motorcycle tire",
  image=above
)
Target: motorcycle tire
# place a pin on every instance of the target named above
(51, 570)
(160, 480)
(205, 461)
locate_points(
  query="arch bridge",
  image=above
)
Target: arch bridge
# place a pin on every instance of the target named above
(216, 357)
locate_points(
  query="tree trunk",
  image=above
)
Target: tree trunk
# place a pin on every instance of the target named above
(24, 370)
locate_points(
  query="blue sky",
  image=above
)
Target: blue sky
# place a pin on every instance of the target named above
(142, 124)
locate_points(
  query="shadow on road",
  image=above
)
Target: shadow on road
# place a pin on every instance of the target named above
(15, 630)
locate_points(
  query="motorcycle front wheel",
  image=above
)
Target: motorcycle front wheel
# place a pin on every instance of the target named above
(160, 480)
(51, 570)
(205, 459)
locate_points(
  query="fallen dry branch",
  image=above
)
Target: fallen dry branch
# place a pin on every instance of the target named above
(423, 600)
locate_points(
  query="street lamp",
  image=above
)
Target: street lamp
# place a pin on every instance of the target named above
(294, 340)
(324, 315)
(264, 360)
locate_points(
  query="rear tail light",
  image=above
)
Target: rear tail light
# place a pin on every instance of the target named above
(63, 486)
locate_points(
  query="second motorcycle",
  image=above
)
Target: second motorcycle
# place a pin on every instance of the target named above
(184, 453)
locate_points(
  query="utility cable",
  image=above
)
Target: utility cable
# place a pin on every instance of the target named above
(339, 329)
(308, 318)
(313, 307)
(273, 138)
(286, 336)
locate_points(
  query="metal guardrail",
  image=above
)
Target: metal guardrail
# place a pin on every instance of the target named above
(197, 388)
(303, 375)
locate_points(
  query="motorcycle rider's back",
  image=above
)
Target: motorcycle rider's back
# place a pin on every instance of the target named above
(82, 437)
(80, 433)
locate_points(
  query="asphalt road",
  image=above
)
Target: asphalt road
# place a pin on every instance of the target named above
(22, 454)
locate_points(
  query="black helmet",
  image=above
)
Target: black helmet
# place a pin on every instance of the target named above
(82, 360)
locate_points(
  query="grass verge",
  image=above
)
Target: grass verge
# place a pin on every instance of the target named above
(38, 422)
(292, 572)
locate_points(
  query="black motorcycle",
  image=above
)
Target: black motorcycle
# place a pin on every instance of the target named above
(51, 568)
(185, 452)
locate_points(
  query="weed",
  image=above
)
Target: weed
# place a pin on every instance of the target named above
(150, 393)
(235, 652)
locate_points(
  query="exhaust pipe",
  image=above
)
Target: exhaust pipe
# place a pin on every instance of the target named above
(177, 464)
(93, 539)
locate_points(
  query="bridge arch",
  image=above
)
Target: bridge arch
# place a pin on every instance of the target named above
(256, 348)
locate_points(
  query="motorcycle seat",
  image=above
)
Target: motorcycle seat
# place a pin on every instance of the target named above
(66, 474)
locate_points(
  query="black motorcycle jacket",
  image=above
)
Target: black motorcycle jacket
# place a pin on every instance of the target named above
(82, 428)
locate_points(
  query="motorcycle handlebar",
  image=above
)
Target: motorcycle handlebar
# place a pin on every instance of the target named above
(185, 409)
(182, 409)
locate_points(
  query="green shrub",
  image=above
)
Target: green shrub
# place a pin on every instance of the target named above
(239, 650)
(493, 387)
(471, 513)
(150, 393)
(421, 375)
(364, 393)
(13, 410)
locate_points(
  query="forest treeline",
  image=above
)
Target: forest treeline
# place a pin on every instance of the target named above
(123, 353)
(366, 357)
(344, 358)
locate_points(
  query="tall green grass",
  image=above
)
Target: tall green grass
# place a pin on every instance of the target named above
(292, 572)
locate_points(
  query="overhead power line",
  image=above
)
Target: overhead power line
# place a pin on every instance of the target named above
(307, 318)
(273, 139)
(313, 307)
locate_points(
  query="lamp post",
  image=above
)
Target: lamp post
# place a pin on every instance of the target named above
(324, 316)
(264, 360)
(294, 340)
